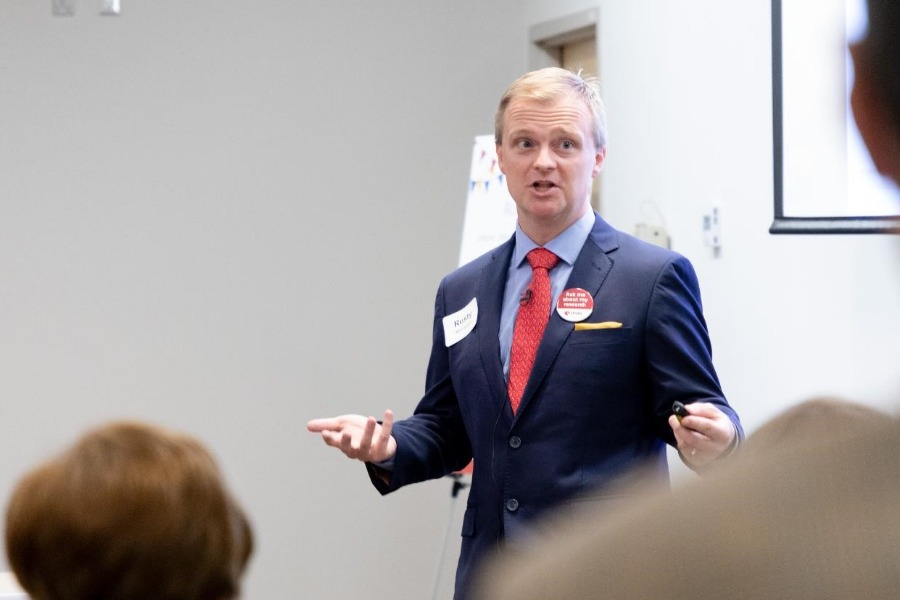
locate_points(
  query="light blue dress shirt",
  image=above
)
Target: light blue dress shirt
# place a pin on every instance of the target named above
(567, 245)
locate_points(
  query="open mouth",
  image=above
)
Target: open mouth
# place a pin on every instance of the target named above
(543, 186)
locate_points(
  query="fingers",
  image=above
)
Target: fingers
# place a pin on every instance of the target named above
(387, 424)
(319, 425)
(703, 409)
(360, 447)
(694, 447)
(358, 437)
(332, 429)
(686, 437)
(386, 446)
(331, 423)
(703, 435)
(376, 443)
(706, 419)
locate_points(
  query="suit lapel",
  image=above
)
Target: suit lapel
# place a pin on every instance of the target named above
(588, 273)
(490, 303)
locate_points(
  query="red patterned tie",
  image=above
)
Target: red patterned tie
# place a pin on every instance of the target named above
(534, 312)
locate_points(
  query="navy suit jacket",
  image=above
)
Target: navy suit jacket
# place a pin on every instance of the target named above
(595, 407)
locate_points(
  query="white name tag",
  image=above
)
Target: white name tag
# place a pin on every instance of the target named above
(461, 323)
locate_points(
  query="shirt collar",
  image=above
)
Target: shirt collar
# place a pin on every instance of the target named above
(567, 245)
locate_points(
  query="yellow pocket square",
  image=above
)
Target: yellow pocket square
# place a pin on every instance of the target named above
(603, 325)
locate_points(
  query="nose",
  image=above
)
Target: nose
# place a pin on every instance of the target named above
(544, 160)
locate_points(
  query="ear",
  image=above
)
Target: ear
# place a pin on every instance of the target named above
(599, 158)
(499, 148)
(874, 121)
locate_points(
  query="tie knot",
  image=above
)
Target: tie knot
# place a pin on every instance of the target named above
(541, 258)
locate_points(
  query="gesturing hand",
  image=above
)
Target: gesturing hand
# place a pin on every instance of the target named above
(704, 435)
(358, 437)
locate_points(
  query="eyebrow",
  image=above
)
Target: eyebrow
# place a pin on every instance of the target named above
(554, 132)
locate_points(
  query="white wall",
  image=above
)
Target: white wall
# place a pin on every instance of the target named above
(232, 217)
(689, 103)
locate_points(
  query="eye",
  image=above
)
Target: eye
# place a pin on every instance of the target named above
(567, 145)
(524, 143)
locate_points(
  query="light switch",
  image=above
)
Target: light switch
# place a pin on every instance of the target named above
(712, 228)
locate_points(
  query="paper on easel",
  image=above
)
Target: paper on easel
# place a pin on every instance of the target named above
(490, 210)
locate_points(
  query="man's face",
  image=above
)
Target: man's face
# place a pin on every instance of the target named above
(549, 158)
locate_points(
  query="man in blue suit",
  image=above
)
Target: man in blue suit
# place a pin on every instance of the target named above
(625, 339)
(809, 513)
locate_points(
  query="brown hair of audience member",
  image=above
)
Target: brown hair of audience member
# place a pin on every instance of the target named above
(131, 511)
(876, 91)
(824, 419)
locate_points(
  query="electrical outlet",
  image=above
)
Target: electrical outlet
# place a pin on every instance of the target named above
(653, 234)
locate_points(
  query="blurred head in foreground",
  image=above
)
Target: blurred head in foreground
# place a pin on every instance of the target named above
(130, 511)
(804, 516)
(875, 97)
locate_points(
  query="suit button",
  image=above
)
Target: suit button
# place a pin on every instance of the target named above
(515, 441)
(512, 505)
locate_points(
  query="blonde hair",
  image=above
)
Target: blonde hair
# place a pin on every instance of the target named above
(548, 84)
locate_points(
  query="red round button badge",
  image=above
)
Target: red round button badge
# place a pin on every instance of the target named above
(575, 304)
